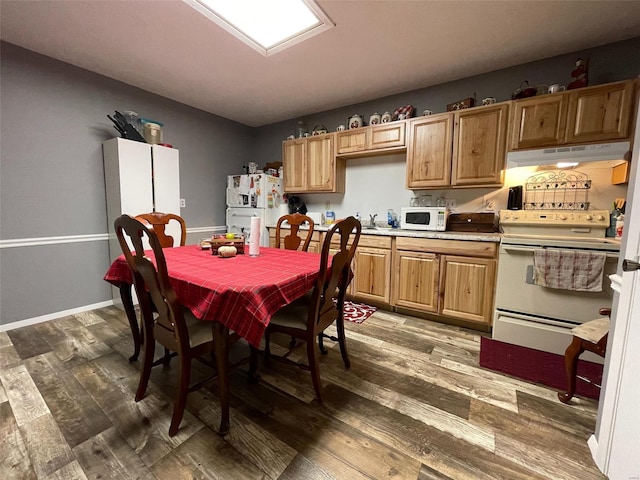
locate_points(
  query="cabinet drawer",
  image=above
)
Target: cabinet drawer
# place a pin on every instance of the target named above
(451, 247)
(374, 241)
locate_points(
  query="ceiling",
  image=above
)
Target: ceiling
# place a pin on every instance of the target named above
(377, 48)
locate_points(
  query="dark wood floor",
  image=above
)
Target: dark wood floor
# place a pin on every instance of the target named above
(414, 405)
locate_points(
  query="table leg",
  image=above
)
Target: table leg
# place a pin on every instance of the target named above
(221, 342)
(127, 303)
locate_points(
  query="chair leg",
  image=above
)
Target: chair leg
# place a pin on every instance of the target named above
(267, 351)
(342, 340)
(181, 395)
(314, 367)
(253, 364)
(571, 355)
(147, 364)
(323, 350)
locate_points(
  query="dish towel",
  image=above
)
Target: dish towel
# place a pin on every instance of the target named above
(569, 270)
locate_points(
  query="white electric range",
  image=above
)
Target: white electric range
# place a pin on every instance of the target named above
(533, 316)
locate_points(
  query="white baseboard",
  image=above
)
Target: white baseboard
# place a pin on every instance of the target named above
(53, 316)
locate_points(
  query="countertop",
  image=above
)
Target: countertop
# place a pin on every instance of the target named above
(399, 232)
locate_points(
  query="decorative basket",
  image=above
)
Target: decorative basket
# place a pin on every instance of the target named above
(218, 241)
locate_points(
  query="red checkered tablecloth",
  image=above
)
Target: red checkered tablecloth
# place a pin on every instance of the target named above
(242, 292)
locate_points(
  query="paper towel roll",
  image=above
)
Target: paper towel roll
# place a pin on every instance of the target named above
(254, 238)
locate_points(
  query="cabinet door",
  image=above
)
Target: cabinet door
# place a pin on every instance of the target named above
(293, 155)
(351, 141)
(415, 282)
(539, 121)
(320, 164)
(387, 135)
(479, 145)
(599, 113)
(429, 151)
(372, 271)
(467, 288)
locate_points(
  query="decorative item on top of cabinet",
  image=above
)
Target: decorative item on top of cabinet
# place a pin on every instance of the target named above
(462, 104)
(355, 121)
(580, 75)
(310, 165)
(385, 118)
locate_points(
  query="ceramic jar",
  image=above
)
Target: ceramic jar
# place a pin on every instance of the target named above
(374, 119)
(355, 121)
(385, 118)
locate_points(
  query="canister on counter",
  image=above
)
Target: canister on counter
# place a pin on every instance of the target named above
(329, 217)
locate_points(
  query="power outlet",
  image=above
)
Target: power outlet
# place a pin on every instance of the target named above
(491, 205)
(450, 203)
(183, 203)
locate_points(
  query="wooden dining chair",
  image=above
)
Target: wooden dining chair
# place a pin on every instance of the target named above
(159, 221)
(164, 319)
(591, 336)
(307, 317)
(292, 240)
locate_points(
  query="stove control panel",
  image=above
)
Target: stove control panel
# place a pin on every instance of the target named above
(597, 218)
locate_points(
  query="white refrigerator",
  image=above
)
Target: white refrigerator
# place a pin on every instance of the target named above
(253, 195)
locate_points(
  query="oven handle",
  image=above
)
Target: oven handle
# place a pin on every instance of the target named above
(510, 248)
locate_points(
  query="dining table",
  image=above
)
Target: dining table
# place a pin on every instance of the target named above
(238, 294)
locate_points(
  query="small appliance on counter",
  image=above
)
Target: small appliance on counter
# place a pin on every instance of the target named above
(296, 205)
(424, 218)
(514, 201)
(473, 222)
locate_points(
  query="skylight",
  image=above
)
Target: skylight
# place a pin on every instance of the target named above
(267, 26)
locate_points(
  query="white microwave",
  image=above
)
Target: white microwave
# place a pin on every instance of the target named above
(424, 218)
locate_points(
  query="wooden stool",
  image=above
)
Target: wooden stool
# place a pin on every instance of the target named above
(590, 336)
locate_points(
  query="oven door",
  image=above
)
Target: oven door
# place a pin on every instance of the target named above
(516, 292)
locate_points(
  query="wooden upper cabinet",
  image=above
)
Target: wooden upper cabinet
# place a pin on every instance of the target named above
(321, 163)
(479, 145)
(599, 113)
(374, 139)
(293, 164)
(350, 141)
(310, 165)
(387, 135)
(585, 115)
(539, 121)
(430, 151)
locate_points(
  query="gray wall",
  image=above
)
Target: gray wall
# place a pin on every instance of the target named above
(52, 177)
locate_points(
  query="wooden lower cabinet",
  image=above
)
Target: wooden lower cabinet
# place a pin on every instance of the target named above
(448, 278)
(416, 277)
(372, 270)
(466, 288)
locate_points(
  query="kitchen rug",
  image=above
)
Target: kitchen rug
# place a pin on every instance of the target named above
(357, 312)
(537, 366)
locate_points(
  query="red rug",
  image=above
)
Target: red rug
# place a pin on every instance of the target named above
(357, 312)
(538, 367)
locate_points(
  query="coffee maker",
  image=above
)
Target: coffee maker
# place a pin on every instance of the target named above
(515, 198)
(296, 205)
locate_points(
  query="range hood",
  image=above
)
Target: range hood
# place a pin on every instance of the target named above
(578, 153)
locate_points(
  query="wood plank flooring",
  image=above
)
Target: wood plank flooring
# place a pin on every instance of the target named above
(414, 405)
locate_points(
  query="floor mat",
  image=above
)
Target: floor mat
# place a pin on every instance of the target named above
(537, 366)
(357, 312)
